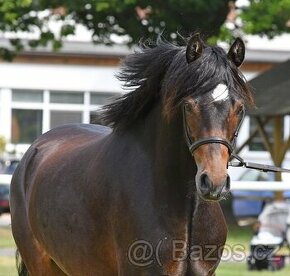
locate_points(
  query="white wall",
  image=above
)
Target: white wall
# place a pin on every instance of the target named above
(59, 77)
(50, 78)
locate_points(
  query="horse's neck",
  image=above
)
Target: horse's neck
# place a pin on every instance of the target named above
(172, 168)
(166, 143)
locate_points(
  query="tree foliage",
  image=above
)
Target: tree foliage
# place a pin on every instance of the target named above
(135, 19)
(267, 17)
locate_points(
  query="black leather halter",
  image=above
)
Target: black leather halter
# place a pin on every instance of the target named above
(193, 145)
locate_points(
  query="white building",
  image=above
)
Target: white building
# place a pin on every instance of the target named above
(40, 90)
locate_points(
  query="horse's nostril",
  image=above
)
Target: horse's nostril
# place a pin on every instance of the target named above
(228, 184)
(205, 184)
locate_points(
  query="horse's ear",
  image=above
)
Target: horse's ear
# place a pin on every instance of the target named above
(194, 48)
(237, 52)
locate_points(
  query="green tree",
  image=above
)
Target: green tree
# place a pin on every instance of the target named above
(133, 19)
(258, 17)
(267, 17)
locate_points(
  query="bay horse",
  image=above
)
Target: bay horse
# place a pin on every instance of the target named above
(139, 197)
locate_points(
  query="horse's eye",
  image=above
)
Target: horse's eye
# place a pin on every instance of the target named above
(188, 107)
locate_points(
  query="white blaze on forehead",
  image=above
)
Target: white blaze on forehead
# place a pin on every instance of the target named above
(221, 92)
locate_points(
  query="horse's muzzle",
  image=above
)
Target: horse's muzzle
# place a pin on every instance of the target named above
(210, 191)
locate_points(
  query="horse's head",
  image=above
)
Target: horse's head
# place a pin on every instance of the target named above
(203, 82)
(213, 112)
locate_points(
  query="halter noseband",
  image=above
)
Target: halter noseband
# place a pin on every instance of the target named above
(210, 140)
(192, 146)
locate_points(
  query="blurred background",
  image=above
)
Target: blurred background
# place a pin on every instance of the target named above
(58, 64)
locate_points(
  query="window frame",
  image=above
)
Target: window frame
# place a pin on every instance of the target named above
(86, 108)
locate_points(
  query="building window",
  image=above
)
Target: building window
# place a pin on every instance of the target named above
(66, 97)
(58, 118)
(103, 98)
(26, 125)
(34, 96)
(36, 111)
(257, 142)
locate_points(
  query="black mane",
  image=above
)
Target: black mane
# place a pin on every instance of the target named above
(162, 74)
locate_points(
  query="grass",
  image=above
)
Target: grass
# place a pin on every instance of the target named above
(240, 269)
(6, 239)
(239, 235)
(7, 266)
